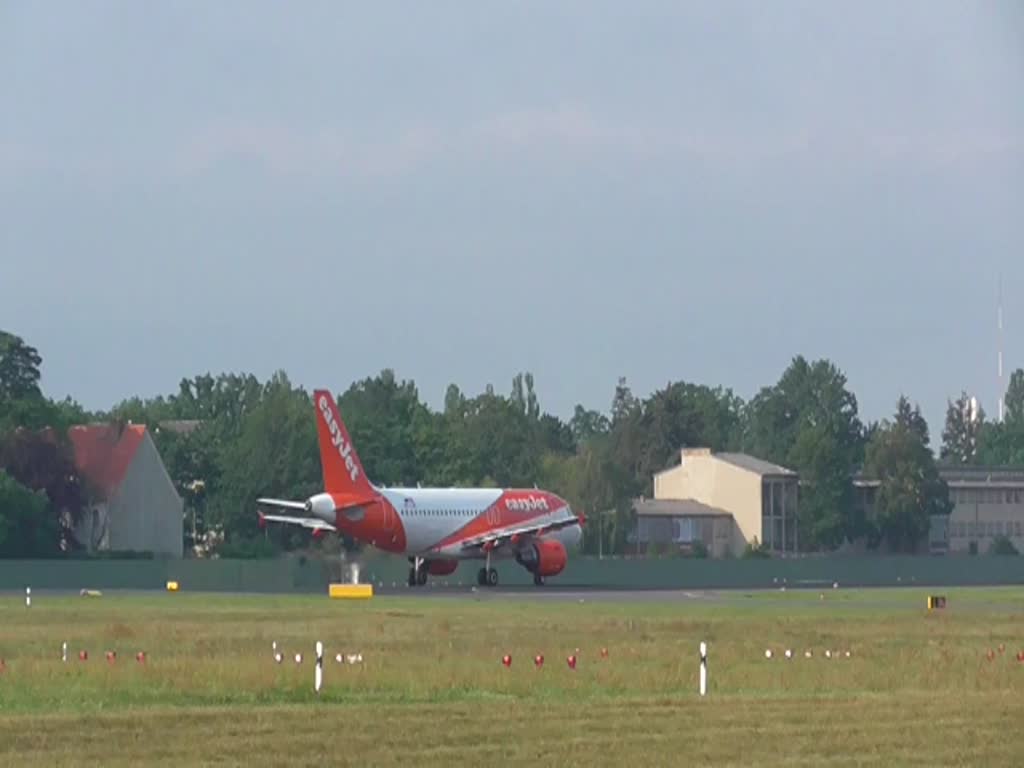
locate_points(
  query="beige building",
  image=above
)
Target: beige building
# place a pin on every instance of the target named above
(723, 500)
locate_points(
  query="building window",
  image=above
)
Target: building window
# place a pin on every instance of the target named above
(1017, 526)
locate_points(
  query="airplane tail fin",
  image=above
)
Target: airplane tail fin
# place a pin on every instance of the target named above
(342, 470)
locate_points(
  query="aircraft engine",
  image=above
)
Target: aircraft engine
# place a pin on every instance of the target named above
(322, 506)
(546, 557)
(442, 567)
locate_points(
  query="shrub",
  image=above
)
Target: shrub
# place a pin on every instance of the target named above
(1001, 545)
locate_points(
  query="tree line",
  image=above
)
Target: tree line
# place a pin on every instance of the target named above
(254, 438)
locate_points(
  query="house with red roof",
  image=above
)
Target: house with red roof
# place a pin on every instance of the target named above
(138, 509)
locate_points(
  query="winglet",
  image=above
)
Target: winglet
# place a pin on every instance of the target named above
(342, 470)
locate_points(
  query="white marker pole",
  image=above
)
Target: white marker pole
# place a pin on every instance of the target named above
(319, 675)
(703, 668)
(28, 597)
(64, 651)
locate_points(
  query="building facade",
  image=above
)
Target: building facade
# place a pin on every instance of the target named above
(988, 502)
(724, 500)
(138, 509)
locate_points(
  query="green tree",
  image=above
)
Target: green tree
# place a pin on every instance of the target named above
(276, 454)
(19, 369)
(587, 424)
(808, 421)
(910, 418)
(27, 526)
(1013, 401)
(683, 415)
(1001, 444)
(42, 462)
(965, 420)
(383, 416)
(910, 490)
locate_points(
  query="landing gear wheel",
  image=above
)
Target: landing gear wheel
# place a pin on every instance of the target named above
(481, 577)
(412, 577)
(492, 577)
(421, 577)
(538, 580)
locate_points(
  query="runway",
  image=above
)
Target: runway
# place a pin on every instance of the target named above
(564, 594)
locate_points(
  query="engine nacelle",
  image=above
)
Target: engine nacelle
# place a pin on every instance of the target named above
(322, 506)
(546, 557)
(442, 567)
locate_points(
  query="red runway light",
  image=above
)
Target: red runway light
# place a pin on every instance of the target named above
(572, 662)
(506, 660)
(83, 655)
(538, 660)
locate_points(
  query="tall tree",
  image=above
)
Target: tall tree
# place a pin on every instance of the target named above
(588, 424)
(965, 420)
(808, 421)
(910, 489)
(19, 368)
(909, 417)
(1013, 401)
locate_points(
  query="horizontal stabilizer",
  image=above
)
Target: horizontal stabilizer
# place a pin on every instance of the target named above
(283, 503)
(313, 523)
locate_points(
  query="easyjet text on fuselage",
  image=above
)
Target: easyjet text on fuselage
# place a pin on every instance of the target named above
(530, 504)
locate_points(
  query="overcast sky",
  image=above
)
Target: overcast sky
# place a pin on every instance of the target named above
(463, 190)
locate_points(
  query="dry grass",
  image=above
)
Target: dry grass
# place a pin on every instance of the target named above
(917, 690)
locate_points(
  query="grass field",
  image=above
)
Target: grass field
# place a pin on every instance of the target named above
(917, 689)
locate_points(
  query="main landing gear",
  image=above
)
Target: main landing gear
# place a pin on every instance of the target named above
(487, 577)
(418, 572)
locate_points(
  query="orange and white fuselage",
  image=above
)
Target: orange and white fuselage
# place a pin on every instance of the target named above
(434, 527)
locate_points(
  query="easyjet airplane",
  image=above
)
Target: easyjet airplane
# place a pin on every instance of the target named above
(434, 527)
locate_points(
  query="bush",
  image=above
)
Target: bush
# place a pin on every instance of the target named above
(1001, 545)
(698, 550)
(755, 550)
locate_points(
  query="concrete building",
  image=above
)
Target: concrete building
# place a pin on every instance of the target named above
(139, 509)
(987, 502)
(724, 500)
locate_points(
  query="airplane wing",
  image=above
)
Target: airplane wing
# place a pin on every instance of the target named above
(494, 539)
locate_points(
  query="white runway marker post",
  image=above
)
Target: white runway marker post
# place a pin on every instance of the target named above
(28, 597)
(319, 675)
(64, 652)
(703, 668)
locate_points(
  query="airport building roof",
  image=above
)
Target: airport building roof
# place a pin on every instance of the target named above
(676, 508)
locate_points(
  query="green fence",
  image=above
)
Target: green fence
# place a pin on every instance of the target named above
(312, 576)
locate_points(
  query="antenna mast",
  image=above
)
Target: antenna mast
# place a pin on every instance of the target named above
(999, 342)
